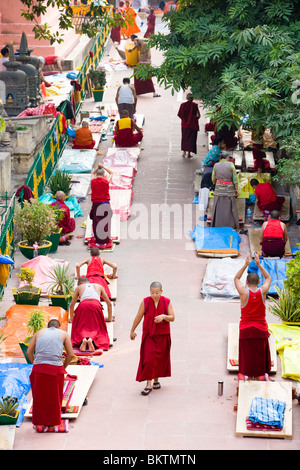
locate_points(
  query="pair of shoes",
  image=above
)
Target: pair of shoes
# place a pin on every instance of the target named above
(67, 243)
(156, 385)
(156, 95)
(146, 391)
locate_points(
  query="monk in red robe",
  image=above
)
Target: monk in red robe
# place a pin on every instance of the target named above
(67, 223)
(95, 269)
(126, 132)
(155, 360)
(89, 331)
(101, 212)
(266, 197)
(254, 352)
(45, 351)
(150, 24)
(189, 115)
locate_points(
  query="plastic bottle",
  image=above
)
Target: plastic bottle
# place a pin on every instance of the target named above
(35, 250)
(249, 214)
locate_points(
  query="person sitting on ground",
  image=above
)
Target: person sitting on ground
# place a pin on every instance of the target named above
(53, 60)
(67, 223)
(84, 137)
(89, 331)
(126, 132)
(254, 352)
(214, 153)
(95, 269)
(273, 236)
(4, 58)
(266, 197)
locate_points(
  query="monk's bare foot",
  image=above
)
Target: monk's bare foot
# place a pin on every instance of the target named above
(90, 344)
(183, 155)
(83, 345)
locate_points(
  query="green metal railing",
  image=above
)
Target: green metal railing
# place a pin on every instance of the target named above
(46, 160)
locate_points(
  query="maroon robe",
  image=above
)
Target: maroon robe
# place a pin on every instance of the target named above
(150, 25)
(155, 349)
(189, 126)
(47, 383)
(89, 322)
(67, 223)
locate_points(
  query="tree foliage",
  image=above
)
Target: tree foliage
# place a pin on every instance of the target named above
(240, 55)
(98, 16)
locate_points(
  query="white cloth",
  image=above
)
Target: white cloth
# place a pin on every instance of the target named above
(203, 199)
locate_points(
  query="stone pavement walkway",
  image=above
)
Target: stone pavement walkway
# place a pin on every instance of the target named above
(187, 413)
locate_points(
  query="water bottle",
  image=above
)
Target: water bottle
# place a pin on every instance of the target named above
(249, 214)
(35, 250)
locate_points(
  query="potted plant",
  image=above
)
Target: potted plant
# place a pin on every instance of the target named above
(8, 410)
(98, 81)
(55, 235)
(36, 321)
(35, 221)
(28, 294)
(286, 306)
(61, 287)
(60, 181)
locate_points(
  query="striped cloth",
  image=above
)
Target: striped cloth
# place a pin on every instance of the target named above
(267, 411)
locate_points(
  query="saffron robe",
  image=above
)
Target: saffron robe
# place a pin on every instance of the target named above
(130, 26)
(95, 274)
(67, 223)
(155, 360)
(83, 139)
(124, 134)
(47, 383)
(254, 352)
(89, 322)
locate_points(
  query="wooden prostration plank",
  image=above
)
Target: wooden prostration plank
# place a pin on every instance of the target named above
(85, 378)
(7, 436)
(276, 390)
(254, 240)
(233, 349)
(285, 212)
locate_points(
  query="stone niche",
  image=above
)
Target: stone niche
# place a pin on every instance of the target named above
(5, 172)
(27, 137)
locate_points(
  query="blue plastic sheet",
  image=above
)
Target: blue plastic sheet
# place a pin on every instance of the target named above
(71, 202)
(276, 267)
(5, 259)
(215, 238)
(15, 382)
(77, 161)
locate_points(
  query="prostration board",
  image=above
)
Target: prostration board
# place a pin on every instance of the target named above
(115, 229)
(276, 390)
(85, 377)
(284, 215)
(254, 240)
(233, 349)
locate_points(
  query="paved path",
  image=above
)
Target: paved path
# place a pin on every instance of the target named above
(187, 413)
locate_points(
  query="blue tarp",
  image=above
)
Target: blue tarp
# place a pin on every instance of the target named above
(15, 382)
(71, 202)
(215, 238)
(5, 259)
(276, 267)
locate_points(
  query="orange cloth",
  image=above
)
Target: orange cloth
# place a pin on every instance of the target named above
(83, 136)
(132, 27)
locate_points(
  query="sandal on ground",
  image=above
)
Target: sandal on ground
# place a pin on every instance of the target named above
(156, 385)
(146, 391)
(156, 95)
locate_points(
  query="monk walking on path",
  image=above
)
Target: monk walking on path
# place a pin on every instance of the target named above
(155, 349)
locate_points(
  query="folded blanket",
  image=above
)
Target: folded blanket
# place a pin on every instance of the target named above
(267, 411)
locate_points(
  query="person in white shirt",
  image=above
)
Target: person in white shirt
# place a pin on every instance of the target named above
(126, 98)
(4, 58)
